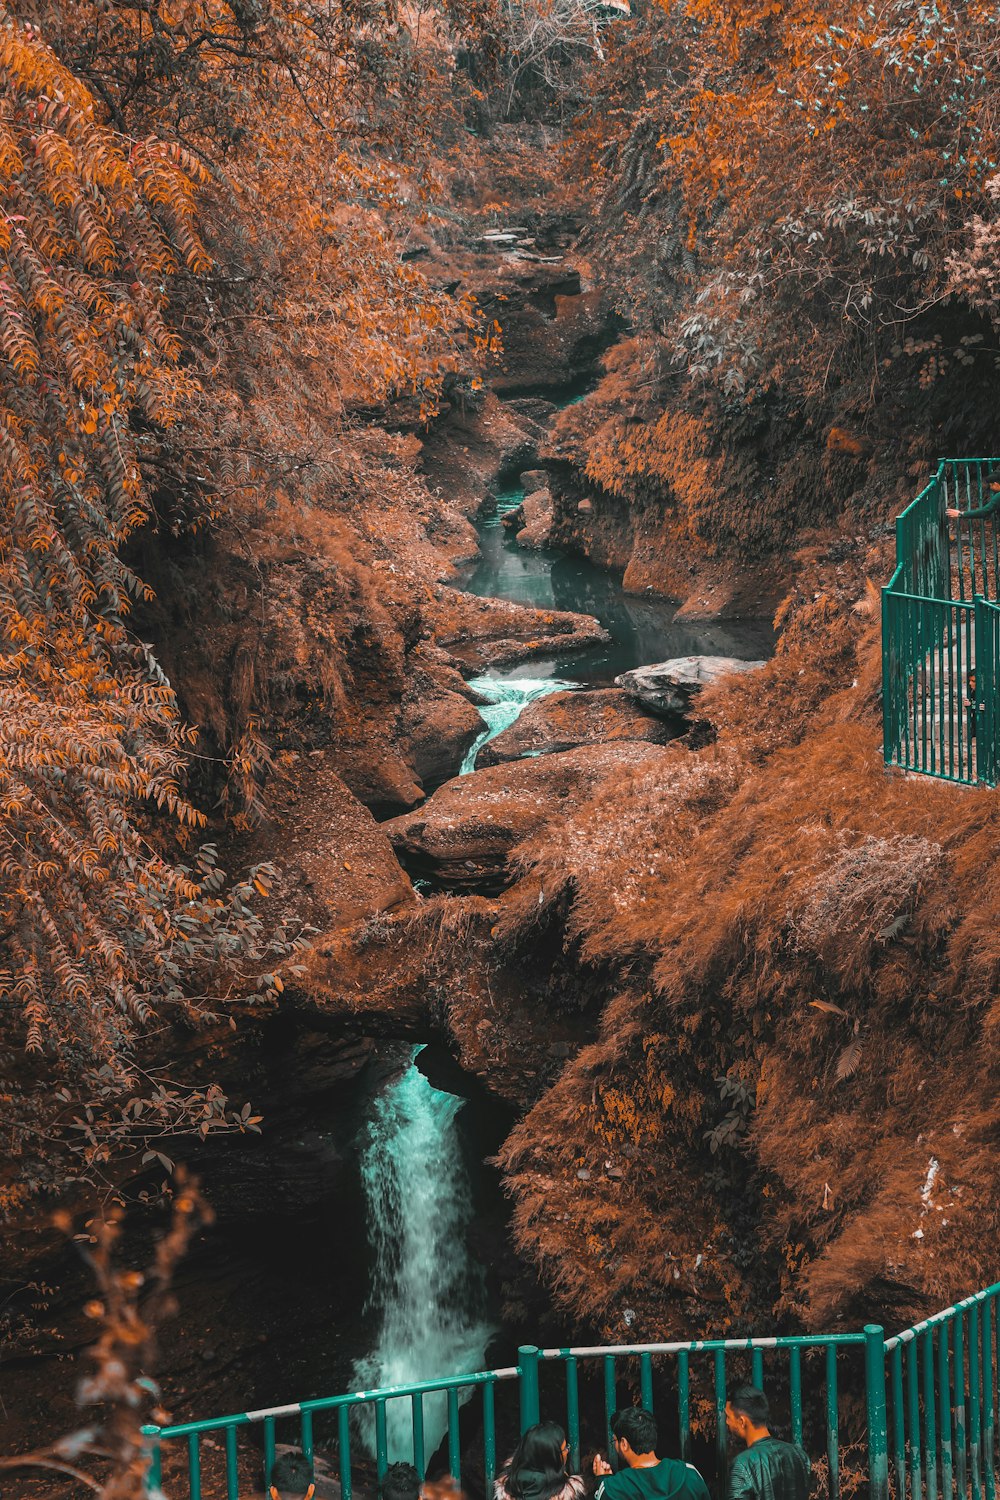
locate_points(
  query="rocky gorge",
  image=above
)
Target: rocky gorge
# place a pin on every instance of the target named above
(608, 922)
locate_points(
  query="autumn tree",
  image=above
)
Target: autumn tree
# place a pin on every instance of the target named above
(205, 209)
(784, 197)
(101, 927)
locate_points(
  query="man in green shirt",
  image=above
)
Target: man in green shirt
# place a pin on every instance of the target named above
(769, 1469)
(642, 1475)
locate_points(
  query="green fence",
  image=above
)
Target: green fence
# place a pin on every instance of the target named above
(940, 642)
(922, 1411)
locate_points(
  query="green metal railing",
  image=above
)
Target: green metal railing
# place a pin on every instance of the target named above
(931, 1389)
(940, 628)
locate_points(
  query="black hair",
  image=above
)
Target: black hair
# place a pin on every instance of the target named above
(400, 1482)
(291, 1475)
(752, 1402)
(538, 1452)
(637, 1426)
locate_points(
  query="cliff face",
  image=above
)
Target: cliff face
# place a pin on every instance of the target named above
(774, 968)
(742, 992)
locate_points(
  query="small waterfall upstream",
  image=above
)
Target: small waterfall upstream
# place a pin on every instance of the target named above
(427, 1296)
(507, 696)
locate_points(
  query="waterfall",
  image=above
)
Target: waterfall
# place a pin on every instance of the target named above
(427, 1297)
(507, 696)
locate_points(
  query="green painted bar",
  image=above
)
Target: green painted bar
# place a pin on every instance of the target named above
(795, 1392)
(975, 1410)
(721, 1441)
(878, 1456)
(926, 1341)
(490, 1436)
(944, 1410)
(913, 1419)
(454, 1438)
(417, 1422)
(989, 1455)
(381, 1443)
(832, 1424)
(306, 1435)
(527, 1359)
(684, 1403)
(232, 1466)
(154, 1470)
(958, 1371)
(268, 1451)
(898, 1422)
(194, 1467)
(646, 1381)
(573, 1412)
(757, 1368)
(344, 1450)
(610, 1406)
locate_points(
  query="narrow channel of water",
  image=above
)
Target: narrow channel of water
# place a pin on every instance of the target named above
(642, 630)
(428, 1296)
(428, 1300)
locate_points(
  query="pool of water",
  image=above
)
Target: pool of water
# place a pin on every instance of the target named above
(642, 629)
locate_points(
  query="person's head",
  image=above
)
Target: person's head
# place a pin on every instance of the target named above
(543, 1451)
(747, 1413)
(401, 1482)
(292, 1478)
(634, 1432)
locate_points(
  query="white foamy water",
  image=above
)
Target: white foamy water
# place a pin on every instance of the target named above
(428, 1297)
(508, 697)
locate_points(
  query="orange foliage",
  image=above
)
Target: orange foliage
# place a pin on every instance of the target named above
(799, 932)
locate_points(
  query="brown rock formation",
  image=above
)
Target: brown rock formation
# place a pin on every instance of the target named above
(562, 721)
(464, 835)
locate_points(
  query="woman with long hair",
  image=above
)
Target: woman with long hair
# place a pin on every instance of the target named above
(537, 1469)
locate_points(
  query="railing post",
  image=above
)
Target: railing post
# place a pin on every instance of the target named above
(527, 1359)
(878, 1452)
(153, 1479)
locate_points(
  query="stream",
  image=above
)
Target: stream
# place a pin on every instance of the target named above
(427, 1296)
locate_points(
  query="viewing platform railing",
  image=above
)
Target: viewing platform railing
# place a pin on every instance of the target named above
(941, 628)
(920, 1412)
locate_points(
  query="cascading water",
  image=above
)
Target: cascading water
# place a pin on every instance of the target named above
(507, 696)
(427, 1295)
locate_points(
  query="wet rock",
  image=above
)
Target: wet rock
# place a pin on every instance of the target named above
(534, 479)
(463, 836)
(439, 730)
(482, 633)
(379, 777)
(536, 512)
(669, 686)
(562, 721)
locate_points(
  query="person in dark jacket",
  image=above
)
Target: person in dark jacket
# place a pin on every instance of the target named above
(537, 1469)
(291, 1478)
(643, 1476)
(400, 1482)
(768, 1469)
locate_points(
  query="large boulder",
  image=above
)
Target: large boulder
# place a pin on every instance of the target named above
(667, 687)
(536, 512)
(562, 721)
(462, 837)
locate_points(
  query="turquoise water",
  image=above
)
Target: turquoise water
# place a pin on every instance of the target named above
(428, 1296)
(642, 629)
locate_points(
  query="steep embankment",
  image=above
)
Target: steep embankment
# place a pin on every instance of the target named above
(762, 958)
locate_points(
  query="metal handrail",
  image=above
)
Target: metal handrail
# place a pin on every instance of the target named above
(930, 1403)
(940, 628)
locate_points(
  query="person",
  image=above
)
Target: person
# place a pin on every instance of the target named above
(291, 1478)
(537, 1468)
(643, 1476)
(400, 1482)
(768, 1469)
